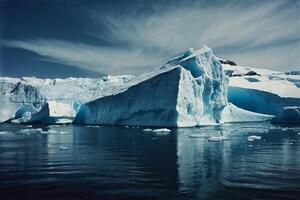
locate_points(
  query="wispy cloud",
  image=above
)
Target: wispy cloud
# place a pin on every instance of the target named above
(259, 33)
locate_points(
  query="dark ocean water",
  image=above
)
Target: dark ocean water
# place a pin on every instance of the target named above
(78, 162)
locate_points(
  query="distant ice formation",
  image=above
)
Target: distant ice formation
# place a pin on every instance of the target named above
(194, 89)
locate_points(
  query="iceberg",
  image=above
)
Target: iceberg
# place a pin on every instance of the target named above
(261, 90)
(190, 90)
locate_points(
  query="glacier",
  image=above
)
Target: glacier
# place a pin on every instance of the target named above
(193, 89)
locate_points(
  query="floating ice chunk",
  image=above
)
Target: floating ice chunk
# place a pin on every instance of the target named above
(31, 131)
(161, 130)
(254, 137)
(217, 138)
(29, 126)
(63, 148)
(3, 132)
(52, 131)
(298, 133)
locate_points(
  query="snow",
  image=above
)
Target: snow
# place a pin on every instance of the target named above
(288, 115)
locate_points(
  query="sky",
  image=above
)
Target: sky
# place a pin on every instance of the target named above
(63, 38)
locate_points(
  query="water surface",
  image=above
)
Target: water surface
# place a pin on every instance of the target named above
(86, 162)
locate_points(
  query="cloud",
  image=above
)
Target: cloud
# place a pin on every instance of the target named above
(259, 33)
(104, 59)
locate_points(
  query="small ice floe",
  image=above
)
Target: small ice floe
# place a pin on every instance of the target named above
(30, 131)
(52, 131)
(298, 133)
(147, 130)
(284, 129)
(63, 148)
(33, 130)
(197, 136)
(160, 130)
(3, 132)
(217, 138)
(254, 137)
(29, 126)
(63, 132)
(126, 126)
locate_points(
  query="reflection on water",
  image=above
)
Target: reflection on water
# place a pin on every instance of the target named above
(77, 162)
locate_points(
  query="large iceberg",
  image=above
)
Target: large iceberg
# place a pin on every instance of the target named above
(261, 90)
(190, 90)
